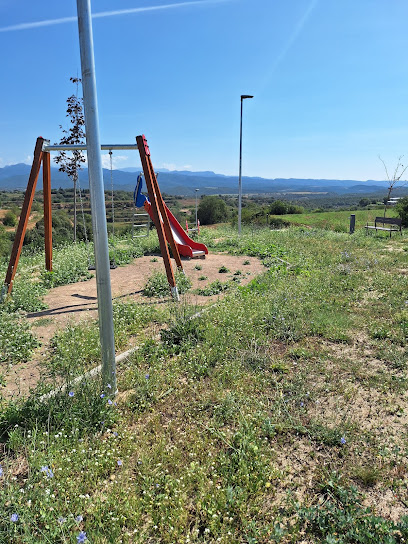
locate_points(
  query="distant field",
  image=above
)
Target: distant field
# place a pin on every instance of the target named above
(338, 221)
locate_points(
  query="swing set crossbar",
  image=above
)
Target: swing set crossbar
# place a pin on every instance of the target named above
(82, 147)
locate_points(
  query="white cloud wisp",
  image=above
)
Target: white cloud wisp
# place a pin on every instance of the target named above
(102, 14)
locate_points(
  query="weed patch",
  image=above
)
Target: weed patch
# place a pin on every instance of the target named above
(158, 286)
(16, 340)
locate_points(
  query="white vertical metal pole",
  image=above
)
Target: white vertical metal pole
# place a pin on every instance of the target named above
(96, 188)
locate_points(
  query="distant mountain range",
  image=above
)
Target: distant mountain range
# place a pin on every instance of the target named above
(184, 183)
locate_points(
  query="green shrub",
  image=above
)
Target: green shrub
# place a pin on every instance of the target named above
(9, 220)
(212, 209)
(402, 209)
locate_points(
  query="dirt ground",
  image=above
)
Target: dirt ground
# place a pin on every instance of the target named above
(78, 301)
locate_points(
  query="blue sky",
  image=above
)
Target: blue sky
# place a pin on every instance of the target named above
(329, 79)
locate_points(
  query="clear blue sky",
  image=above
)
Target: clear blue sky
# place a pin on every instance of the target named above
(330, 80)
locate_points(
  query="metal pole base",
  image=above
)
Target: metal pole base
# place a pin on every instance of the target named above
(175, 294)
(4, 291)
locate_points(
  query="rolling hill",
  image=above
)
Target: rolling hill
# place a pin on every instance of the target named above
(15, 177)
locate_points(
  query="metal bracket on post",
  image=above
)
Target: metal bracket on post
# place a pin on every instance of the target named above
(175, 293)
(146, 147)
(4, 291)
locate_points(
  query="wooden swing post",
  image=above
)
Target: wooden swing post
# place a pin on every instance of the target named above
(25, 214)
(161, 220)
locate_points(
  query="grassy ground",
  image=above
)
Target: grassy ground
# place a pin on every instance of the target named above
(339, 221)
(279, 415)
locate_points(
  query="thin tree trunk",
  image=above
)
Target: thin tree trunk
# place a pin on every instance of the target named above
(388, 198)
(75, 209)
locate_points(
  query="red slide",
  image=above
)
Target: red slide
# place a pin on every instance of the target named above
(186, 246)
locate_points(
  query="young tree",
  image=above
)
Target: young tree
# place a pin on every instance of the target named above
(70, 162)
(393, 179)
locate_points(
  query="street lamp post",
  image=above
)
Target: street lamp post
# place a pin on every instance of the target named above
(196, 191)
(243, 96)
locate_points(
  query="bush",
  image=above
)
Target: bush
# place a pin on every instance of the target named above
(10, 219)
(279, 207)
(402, 209)
(364, 202)
(62, 230)
(212, 209)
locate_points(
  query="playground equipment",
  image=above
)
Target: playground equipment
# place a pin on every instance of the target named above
(141, 220)
(185, 245)
(168, 228)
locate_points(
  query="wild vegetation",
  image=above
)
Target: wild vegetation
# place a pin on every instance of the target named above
(276, 415)
(274, 211)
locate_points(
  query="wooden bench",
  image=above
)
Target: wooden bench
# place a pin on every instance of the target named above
(395, 224)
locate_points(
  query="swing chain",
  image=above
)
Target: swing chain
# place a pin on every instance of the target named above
(113, 264)
(84, 222)
(112, 203)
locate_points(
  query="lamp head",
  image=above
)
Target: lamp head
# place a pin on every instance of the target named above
(246, 96)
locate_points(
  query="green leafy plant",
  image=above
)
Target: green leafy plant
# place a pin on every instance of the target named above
(158, 286)
(339, 517)
(214, 288)
(16, 340)
(26, 296)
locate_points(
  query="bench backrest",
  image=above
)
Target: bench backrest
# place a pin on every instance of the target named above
(388, 220)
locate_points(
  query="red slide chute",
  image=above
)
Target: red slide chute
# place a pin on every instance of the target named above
(186, 246)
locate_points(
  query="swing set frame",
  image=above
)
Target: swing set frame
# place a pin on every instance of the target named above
(42, 158)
